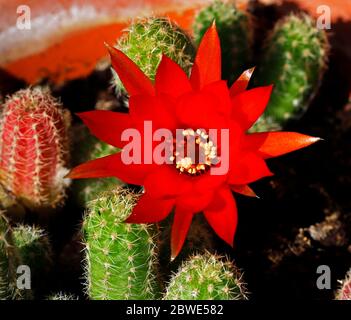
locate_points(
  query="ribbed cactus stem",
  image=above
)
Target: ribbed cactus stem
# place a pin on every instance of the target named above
(120, 257)
(147, 39)
(9, 262)
(34, 148)
(235, 33)
(206, 277)
(294, 61)
(344, 292)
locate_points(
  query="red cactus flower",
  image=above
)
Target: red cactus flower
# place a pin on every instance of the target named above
(202, 101)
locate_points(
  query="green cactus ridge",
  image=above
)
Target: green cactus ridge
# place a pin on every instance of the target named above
(234, 31)
(294, 61)
(87, 147)
(9, 261)
(120, 257)
(147, 39)
(206, 277)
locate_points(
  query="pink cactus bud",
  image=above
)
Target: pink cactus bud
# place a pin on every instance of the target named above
(34, 148)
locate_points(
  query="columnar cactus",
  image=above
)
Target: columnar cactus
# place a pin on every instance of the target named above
(344, 292)
(206, 277)
(35, 250)
(87, 147)
(120, 257)
(34, 148)
(147, 39)
(9, 261)
(294, 61)
(235, 33)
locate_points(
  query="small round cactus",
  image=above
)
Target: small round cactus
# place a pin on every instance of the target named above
(34, 148)
(146, 40)
(234, 31)
(294, 61)
(344, 292)
(120, 257)
(206, 277)
(87, 147)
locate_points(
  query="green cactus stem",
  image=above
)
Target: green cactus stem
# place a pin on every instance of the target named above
(234, 31)
(36, 252)
(206, 277)
(147, 39)
(120, 257)
(294, 60)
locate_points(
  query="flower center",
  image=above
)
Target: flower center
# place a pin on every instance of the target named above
(194, 153)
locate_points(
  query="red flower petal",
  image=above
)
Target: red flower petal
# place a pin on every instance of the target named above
(153, 108)
(150, 210)
(199, 110)
(243, 189)
(181, 224)
(107, 125)
(222, 215)
(195, 202)
(111, 166)
(207, 66)
(134, 80)
(249, 168)
(274, 144)
(171, 79)
(167, 182)
(220, 90)
(248, 106)
(242, 82)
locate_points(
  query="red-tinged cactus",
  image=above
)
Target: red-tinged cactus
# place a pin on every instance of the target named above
(34, 148)
(344, 292)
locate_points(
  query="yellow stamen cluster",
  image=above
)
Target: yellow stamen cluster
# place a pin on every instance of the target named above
(205, 153)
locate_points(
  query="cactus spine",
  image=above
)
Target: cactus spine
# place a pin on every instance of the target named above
(34, 148)
(294, 61)
(9, 261)
(120, 257)
(62, 296)
(146, 41)
(234, 31)
(344, 292)
(206, 277)
(87, 147)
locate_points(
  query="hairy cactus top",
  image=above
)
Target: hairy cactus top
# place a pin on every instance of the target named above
(344, 292)
(34, 148)
(146, 40)
(206, 277)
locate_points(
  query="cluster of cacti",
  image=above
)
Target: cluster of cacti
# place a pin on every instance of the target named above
(120, 258)
(235, 34)
(34, 148)
(147, 40)
(86, 147)
(293, 58)
(206, 277)
(344, 292)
